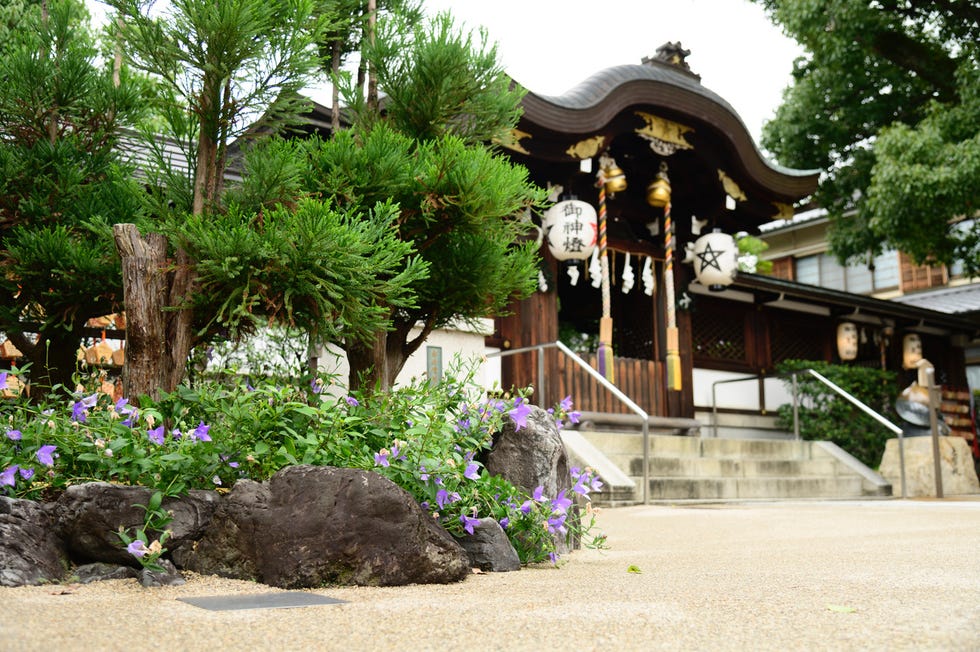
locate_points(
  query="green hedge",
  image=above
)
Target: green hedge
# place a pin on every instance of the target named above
(825, 415)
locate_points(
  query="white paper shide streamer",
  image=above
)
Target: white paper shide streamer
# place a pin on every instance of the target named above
(595, 269)
(649, 281)
(628, 278)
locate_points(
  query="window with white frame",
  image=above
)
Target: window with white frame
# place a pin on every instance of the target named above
(824, 270)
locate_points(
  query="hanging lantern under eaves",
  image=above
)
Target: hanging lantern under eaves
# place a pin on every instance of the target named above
(572, 228)
(715, 260)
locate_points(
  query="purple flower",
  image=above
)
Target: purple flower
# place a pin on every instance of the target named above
(553, 557)
(444, 498)
(574, 416)
(560, 503)
(44, 454)
(504, 522)
(27, 474)
(316, 385)
(423, 476)
(526, 507)
(156, 435)
(137, 548)
(201, 432)
(13, 435)
(520, 413)
(122, 406)
(538, 494)
(566, 403)
(557, 524)
(131, 420)
(351, 401)
(381, 458)
(472, 471)
(233, 465)
(580, 485)
(7, 477)
(79, 411)
(3, 380)
(596, 483)
(176, 433)
(468, 522)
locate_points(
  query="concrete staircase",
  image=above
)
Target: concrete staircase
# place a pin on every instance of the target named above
(706, 469)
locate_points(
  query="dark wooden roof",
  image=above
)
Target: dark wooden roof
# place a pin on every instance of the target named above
(621, 111)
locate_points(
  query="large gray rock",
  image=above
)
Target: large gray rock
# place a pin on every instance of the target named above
(30, 551)
(489, 548)
(89, 517)
(313, 526)
(533, 456)
(956, 467)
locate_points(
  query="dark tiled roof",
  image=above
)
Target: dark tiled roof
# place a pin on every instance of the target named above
(951, 300)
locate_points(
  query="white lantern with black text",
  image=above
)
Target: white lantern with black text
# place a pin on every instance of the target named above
(572, 229)
(715, 260)
(847, 341)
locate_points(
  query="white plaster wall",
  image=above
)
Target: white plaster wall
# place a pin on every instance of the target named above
(742, 395)
(460, 340)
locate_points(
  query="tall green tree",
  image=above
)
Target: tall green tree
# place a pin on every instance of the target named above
(886, 100)
(353, 27)
(232, 71)
(62, 184)
(446, 100)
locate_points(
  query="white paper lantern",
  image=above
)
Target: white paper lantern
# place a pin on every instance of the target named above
(715, 260)
(847, 340)
(572, 229)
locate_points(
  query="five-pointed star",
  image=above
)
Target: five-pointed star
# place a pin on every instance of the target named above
(709, 257)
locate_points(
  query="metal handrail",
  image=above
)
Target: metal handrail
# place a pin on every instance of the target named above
(796, 414)
(602, 380)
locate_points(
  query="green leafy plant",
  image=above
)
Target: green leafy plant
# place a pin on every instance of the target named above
(426, 437)
(825, 415)
(146, 550)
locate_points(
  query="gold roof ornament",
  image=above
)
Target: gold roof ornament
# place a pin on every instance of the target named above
(586, 148)
(665, 136)
(731, 188)
(512, 140)
(783, 211)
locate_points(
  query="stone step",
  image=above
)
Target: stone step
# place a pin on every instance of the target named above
(618, 444)
(745, 488)
(732, 468)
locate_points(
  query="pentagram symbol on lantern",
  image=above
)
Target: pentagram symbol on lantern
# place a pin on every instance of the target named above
(709, 257)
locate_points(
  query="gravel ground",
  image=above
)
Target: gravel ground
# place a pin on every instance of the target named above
(850, 575)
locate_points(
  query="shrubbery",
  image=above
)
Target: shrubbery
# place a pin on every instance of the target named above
(425, 437)
(825, 415)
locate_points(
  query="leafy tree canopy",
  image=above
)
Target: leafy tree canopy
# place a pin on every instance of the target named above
(887, 101)
(62, 183)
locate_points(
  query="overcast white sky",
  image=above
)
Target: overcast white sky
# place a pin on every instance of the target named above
(549, 46)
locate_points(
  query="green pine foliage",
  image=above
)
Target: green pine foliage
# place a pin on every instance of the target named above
(306, 267)
(62, 184)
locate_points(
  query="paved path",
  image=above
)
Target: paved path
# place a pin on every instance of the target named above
(850, 575)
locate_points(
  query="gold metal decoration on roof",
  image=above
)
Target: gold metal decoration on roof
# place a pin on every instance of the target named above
(512, 140)
(731, 188)
(783, 211)
(586, 148)
(665, 136)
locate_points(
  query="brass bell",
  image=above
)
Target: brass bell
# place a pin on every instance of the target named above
(658, 192)
(615, 179)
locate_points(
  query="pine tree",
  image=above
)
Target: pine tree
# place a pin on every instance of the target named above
(62, 186)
